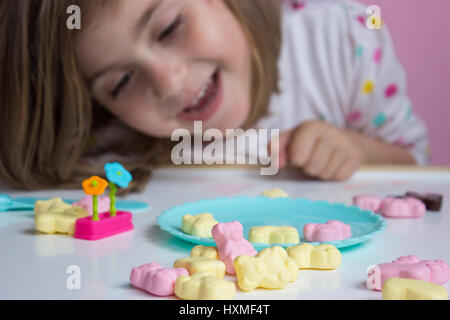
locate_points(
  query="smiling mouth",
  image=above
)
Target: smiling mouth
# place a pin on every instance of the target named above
(204, 106)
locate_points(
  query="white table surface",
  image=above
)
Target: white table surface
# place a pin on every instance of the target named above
(34, 265)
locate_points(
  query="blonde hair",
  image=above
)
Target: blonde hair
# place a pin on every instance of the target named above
(47, 113)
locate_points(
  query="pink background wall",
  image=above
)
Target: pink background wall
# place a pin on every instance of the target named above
(420, 31)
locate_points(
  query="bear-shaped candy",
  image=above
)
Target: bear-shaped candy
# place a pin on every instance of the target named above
(323, 256)
(56, 216)
(410, 267)
(155, 279)
(199, 225)
(205, 252)
(198, 264)
(275, 193)
(271, 268)
(333, 230)
(367, 202)
(410, 289)
(402, 208)
(86, 202)
(273, 234)
(204, 286)
(229, 238)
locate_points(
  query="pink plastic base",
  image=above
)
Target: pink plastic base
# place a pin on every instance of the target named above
(107, 226)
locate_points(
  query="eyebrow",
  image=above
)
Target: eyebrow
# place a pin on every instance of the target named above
(138, 28)
(146, 17)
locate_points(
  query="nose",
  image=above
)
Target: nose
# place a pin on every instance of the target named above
(167, 74)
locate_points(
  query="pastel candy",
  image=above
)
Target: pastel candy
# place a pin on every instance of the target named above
(333, 230)
(52, 205)
(204, 286)
(199, 225)
(271, 268)
(367, 202)
(229, 238)
(323, 256)
(155, 279)
(199, 264)
(402, 208)
(86, 203)
(410, 289)
(410, 267)
(56, 216)
(273, 234)
(206, 252)
(275, 193)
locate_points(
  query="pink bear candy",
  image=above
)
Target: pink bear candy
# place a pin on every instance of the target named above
(367, 202)
(86, 203)
(410, 267)
(331, 231)
(402, 208)
(229, 238)
(155, 279)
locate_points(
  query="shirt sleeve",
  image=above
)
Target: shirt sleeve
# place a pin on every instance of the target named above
(379, 104)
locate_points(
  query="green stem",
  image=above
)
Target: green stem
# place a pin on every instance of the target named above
(95, 208)
(112, 198)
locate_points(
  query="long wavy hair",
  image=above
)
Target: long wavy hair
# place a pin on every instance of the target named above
(47, 113)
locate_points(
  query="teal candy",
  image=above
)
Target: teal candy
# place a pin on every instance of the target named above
(257, 211)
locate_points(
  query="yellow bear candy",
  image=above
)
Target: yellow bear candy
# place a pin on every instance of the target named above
(204, 286)
(273, 234)
(275, 193)
(199, 225)
(411, 289)
(271, 268)
(52, 205)
(56, 216)
(205, 252)
(198, 264)
(323, 256)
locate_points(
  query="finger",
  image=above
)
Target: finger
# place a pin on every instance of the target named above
(336, 161)
(320, 156)
(278, 147)
(347, 170)
(301, 146)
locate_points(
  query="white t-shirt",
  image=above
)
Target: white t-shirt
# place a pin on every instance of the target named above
(334, 68)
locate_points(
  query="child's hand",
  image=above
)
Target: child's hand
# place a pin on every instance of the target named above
(321, 150)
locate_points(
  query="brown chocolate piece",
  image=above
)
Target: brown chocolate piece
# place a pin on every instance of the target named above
(398, 197)
(432, 201)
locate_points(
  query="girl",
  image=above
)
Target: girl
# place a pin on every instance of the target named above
(141, 69)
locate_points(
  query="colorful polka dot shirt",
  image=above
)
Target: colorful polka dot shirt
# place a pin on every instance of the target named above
(335, 68)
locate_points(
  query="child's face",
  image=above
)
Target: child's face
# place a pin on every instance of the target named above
(189, 61)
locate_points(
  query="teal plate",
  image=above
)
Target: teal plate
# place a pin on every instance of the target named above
(259, 211)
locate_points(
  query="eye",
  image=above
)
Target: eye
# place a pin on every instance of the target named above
(171, 28)
(122, 84)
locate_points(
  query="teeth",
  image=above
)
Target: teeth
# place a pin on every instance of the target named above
(202, 93)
